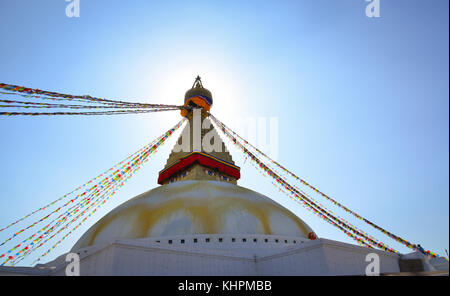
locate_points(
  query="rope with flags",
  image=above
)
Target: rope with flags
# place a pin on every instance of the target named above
(26, 104)
(112, 169)
(37, 93)
(234, 136)
(118, 112)
(82, 99)
(95, 196)
(326, 215)
(38, 99)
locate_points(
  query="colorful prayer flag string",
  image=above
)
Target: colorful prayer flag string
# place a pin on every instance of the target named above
(117, 112)
(108, 186)
(79, 187)
(395, 237)
(324, 214)
(36, 93)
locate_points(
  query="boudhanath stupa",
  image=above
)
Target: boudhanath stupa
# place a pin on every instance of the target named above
(199, 221)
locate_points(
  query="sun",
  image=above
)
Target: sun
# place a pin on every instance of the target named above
(172, 88)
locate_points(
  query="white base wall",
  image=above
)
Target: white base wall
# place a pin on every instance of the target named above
(220, 255)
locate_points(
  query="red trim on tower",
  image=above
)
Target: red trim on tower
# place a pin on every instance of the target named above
(203, 159)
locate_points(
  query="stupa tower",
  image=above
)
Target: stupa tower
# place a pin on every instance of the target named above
(199, 153)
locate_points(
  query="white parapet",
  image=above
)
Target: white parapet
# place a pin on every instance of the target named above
(226, 255)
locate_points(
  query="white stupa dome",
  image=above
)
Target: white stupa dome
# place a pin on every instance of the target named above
(195, 207)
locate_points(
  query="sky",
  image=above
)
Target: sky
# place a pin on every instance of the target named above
(362, 103)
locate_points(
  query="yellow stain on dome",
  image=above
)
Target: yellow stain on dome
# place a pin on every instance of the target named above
(205, 214)
(205, 203)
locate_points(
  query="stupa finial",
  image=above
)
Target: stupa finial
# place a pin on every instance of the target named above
(197, 97)
(197, 82)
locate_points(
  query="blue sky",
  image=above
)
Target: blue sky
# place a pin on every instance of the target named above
(362, 102)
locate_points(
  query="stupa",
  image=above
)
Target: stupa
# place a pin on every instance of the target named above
(199, 221)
